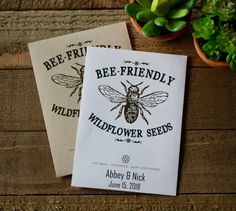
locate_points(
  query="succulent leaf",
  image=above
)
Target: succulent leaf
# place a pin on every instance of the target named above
(229, 58)
(204, 28)
(189, 4)
(150, 29)
(158, 16)
(178, 13)
(145, 3)
(176, 25)
(226, 10)
(145, 16)
(133, 9)
(212, 50)
(161, 21)
(215, 28)
(160, 7)
(232, 65)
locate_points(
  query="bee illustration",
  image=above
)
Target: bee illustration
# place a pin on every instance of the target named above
(132, 102)
(71, 81)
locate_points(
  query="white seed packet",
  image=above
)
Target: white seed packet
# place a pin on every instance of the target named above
(129, 131)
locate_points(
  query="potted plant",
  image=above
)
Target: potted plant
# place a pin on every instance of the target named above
(214, 33)
(162, 19)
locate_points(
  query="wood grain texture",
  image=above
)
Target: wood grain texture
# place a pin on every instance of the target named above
(60, 4)
(207, 164)
(27, 177)
(121, 202)
(20, 104)
(210, 100)
(19, 28)
(15, 61)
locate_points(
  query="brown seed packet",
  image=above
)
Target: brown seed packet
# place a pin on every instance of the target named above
(58, 65)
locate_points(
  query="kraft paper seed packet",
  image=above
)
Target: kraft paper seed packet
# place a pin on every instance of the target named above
(58, 65)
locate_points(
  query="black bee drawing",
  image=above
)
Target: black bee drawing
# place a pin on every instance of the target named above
(132, 102)
(71, 81)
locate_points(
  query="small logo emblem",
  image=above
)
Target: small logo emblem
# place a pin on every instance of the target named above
(125, 158)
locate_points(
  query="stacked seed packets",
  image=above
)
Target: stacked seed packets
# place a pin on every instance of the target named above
(128, 136)
(58, 65)
(115, 118)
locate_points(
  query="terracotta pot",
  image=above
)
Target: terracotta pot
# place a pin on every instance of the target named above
(165, 37)
(201, 54)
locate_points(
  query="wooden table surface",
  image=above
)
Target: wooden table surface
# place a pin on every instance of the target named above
(207, 171)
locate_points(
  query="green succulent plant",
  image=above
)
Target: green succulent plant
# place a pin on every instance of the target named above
(215, 28)
(160, 16)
